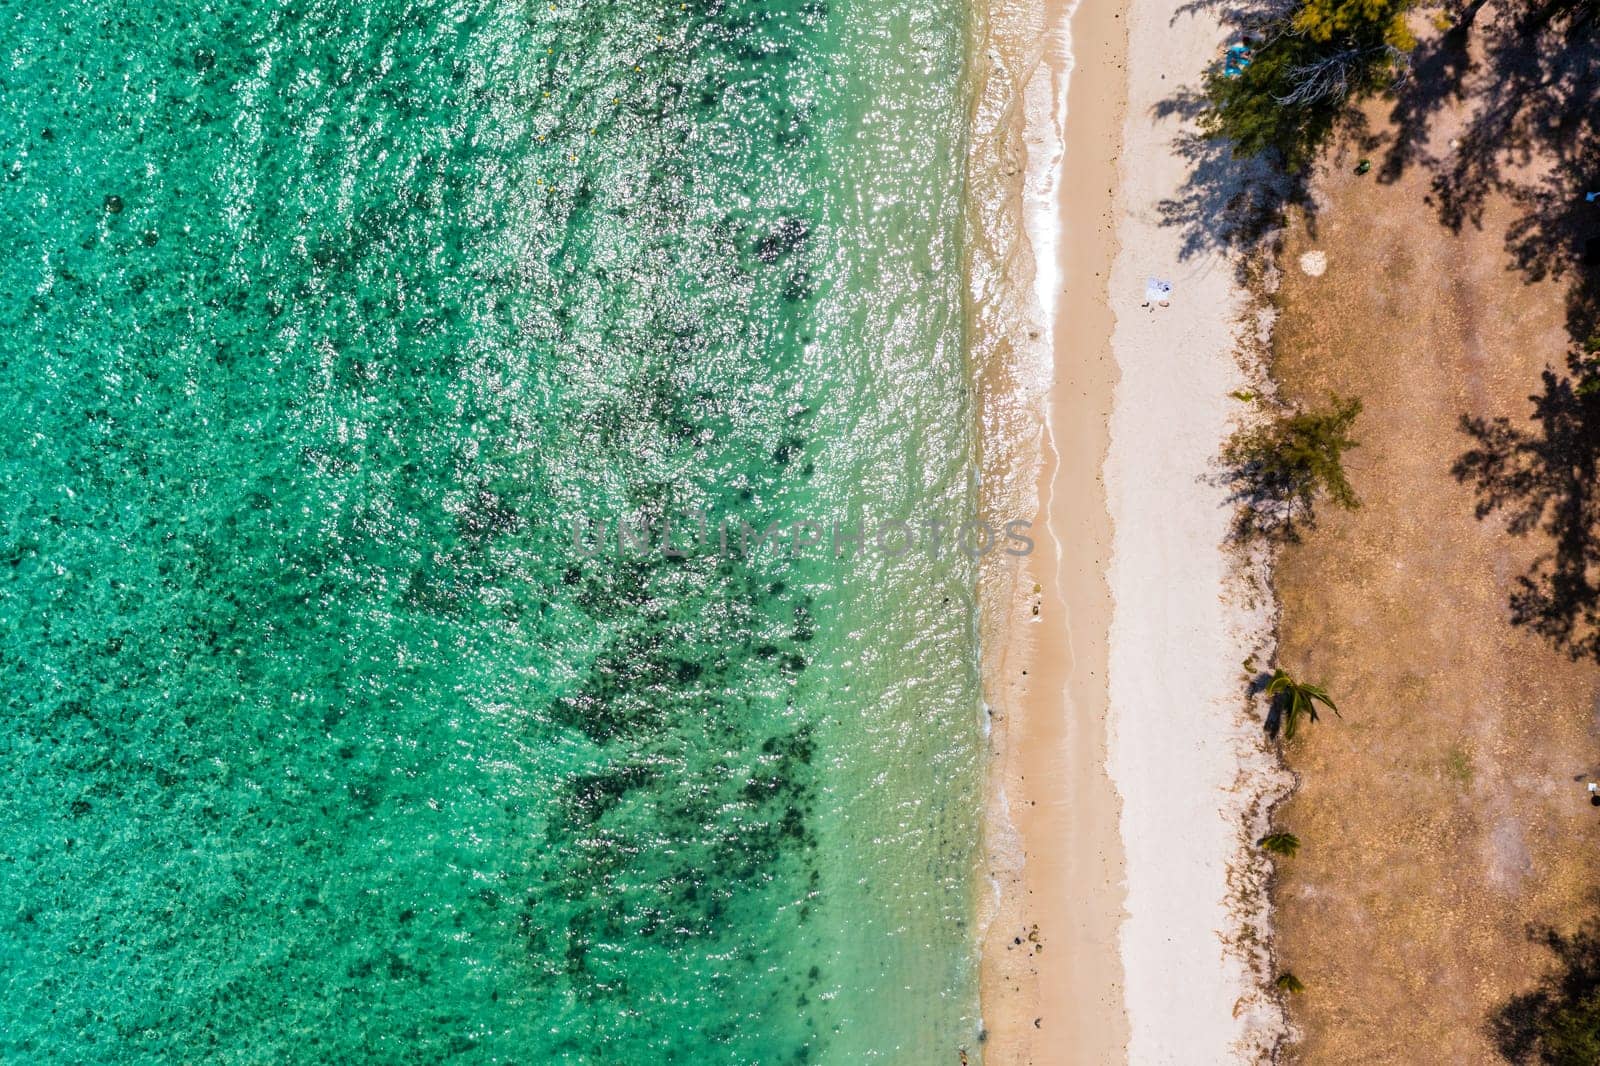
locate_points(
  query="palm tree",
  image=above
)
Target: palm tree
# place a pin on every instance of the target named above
(1290, 983)
(1299, 700)
(1285, 844)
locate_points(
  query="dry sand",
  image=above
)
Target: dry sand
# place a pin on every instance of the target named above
(1188, 758)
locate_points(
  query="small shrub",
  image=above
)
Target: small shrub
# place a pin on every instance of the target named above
(1285, 844)
(1585, 362)
(1292, 701)
(1278, 471)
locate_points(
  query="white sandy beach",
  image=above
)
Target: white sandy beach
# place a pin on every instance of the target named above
(1186, 754)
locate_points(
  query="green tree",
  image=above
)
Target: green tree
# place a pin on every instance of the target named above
(1299, 701)
(1556, 1023)
(1312, 63)
(1585, 363)
(1290, 983)
(1285, 844)
(1276, 472)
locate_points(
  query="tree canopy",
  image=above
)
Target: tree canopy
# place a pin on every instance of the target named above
(1278, 471)
(1306, 68)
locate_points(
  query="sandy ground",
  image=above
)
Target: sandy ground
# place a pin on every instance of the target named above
(1046, 669)
(1125, 767)
(1187, 757)
(1446, 812)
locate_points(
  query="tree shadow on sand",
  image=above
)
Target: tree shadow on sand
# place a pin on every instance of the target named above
(1532, 71)
(1558, 1023)
(1543, 479)
(1224, 202)
(1227, 201)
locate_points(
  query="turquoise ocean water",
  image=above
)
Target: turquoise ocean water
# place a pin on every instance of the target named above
(321, 323)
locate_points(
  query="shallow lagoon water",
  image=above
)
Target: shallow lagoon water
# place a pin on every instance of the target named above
(323, 323)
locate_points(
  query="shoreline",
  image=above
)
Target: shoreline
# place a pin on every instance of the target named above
(1053, 824)
(1112, 656)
